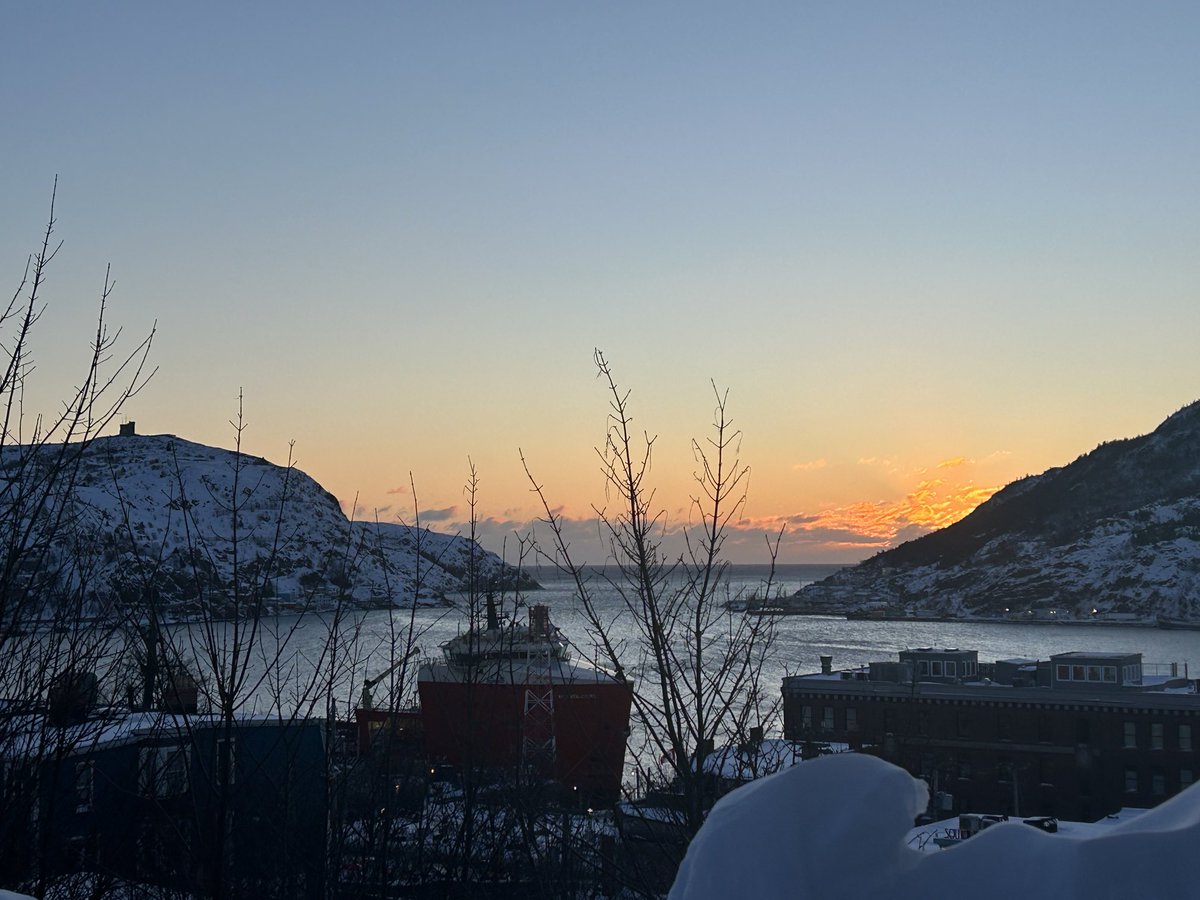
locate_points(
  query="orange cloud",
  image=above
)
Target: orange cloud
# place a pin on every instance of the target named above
(931, 505)
(809, 466)
(876, 525)
(953, 463)
(881, 462)
(844, 533)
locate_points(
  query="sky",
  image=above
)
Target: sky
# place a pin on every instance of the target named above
(926, 248)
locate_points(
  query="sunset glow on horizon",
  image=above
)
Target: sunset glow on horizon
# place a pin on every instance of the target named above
(928, 249)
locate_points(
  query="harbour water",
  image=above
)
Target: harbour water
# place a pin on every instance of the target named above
(799, 642)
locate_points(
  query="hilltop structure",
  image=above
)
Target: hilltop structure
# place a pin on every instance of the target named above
(157, 513)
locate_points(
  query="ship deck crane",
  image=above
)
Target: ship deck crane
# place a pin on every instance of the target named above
(369, 683)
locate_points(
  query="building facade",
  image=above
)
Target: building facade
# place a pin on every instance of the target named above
(1078, 736)
(180, 802)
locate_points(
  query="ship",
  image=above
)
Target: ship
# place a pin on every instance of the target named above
(510, 697)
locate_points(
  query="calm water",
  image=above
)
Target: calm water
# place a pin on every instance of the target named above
(800, 642)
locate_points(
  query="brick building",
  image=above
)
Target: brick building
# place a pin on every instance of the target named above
(1080, 735)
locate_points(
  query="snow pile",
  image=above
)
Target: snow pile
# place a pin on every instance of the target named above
(835, 828)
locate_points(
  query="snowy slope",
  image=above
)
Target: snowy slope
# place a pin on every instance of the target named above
(157, 509)
(1117, 531)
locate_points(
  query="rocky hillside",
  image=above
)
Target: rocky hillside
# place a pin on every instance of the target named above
(1117, 531)
(183, 517)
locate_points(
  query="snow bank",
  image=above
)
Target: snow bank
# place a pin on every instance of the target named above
(836, 828)
(828, 828)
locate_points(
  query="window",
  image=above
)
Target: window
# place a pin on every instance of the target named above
(81, 851)
(1130, 735)
(1110, 674)
(1185, 778)
(1004, 770)
(1045, 726)
(851, 718)
(1078, 673)
(1131, 780)
(935, 668)
(1158, 783)
(226, 761)
(1156, 735)
(1062, 672)
(151, 849)
(923, 667)
(1185, 737)
(162, 771)
(85, 785)
(951, 669)
(962, 724)
(806, 718)
(1003, 727)
(827, 719)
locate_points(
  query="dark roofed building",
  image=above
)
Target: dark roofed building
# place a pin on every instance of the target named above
(1079, 735)
(138, 797)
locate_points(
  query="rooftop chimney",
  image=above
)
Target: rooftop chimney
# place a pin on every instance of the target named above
(826, 665)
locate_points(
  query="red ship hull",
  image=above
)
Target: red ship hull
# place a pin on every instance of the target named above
(573, 732)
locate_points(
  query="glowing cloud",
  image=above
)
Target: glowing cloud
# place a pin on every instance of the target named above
(852, 531)
(810, 466)
(837, 533)
(953, 462)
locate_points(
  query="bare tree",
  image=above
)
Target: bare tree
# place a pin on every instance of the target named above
(53, 661)
(379, 833)
(700, 663)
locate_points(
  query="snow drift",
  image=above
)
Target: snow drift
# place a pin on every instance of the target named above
(836, 827)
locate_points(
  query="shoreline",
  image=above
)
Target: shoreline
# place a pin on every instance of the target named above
(966, 620)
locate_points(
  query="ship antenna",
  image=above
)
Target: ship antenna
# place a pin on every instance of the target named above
(493, 619)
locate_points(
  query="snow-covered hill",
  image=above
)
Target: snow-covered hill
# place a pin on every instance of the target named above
(196, 521)
(1117, 531)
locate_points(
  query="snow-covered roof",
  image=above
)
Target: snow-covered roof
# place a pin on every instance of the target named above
(27, 739)
(734, 762)
(924, 837)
